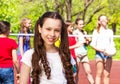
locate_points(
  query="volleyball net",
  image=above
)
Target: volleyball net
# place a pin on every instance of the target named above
(12, 34)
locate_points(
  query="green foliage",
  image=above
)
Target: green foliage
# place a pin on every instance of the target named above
(14, 10)
(89, 28)
(91, 53)
(114, 11)
(117, 45)
(9, 11)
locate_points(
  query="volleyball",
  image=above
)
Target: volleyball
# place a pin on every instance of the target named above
(110, 51)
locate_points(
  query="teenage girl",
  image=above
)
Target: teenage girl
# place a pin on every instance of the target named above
(102, 38)
(24, 41)
(47, 63)
(81, 51)
(72, 45)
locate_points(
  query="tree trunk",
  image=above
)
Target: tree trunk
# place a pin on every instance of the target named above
(114, 28)
(68, 9)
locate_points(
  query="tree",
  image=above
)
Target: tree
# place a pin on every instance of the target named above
(88, 10)
(68, 9)
(9, 12)
(114, 13)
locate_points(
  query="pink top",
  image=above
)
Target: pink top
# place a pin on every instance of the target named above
(6, 47)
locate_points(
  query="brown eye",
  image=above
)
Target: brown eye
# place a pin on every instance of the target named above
(48, 29)
(57, 30)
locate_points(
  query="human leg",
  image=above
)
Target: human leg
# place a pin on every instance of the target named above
(99, 70)
(78, 69)
(107, 69)
(86, 65)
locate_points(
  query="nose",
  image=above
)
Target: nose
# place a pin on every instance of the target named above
(52, 33)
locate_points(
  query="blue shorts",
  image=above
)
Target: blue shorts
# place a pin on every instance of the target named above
(6, 76)
(101, 55)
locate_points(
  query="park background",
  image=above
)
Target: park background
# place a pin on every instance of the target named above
(89, 10)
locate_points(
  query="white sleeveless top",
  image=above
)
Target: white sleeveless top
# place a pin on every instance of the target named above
(57, 72)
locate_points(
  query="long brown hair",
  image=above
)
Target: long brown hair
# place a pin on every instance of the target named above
(22, 25)
(68, 23)
(39, 58)
(98, 25)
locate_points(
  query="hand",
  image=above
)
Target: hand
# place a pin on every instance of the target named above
(18, 78)
(102, 50)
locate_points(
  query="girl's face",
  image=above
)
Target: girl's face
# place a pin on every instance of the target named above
(70, 29)
(80, 24)
(103, 21)
(28, 24)
(50, 31)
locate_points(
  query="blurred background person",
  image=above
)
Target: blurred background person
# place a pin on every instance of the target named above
(8, 55)
(72, 45)
(24, 40)
(102, 38)
(81, 51)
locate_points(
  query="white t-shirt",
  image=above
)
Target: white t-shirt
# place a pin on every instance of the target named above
(57, 72)
(103, 39)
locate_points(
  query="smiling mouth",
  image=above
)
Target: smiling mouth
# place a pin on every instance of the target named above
(51, 40)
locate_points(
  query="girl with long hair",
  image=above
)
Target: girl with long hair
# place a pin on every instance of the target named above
(47, 63)
(81, 51)
(24, 40)
(101, 40)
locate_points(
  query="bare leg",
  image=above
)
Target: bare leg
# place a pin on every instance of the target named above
(99, 68)
(107, 70)
(87, 69)
(78, 69)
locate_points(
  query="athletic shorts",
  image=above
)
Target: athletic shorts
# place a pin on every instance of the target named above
(101, 55)
(82, 59)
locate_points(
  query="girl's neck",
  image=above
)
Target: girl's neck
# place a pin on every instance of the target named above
(3, 35)
(51, 49)
(103, 28)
